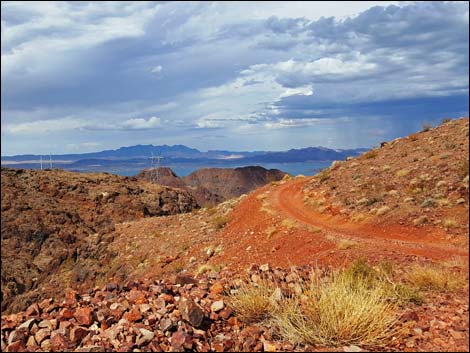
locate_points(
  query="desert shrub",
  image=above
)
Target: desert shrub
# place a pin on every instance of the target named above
(432, 277)
(252, 302)
(323, 176)
(289, 223)
(208, 268)
(463, 169)
(426, 127)
(371, 154)
(220, 221)
(446, 120)
(346, 244)
(450, 223)
(340, 310)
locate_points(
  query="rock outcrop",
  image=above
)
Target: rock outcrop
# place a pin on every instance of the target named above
(52, 218)
(211, 186)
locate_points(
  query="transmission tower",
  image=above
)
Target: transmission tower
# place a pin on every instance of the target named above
(50, 160)
(41, 161)
(154, 168)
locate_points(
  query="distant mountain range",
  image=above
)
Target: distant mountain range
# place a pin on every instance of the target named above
(135, 157)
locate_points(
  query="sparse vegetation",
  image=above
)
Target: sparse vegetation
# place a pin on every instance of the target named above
(426, 127)
(289, 223)
(402, 173)
(346, 244)
(463, 169)
(446, 120)
(220, 221)
(339, 310)
(433, 277)
(371, 154)
(252, 302)
(270, 231)
(208, 268)
(449, 223)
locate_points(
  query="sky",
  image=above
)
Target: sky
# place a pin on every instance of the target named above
(87, 76)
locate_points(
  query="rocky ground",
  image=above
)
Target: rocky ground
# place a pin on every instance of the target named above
(160, 283)
(418, 180)
(53, 219)
(187, 313)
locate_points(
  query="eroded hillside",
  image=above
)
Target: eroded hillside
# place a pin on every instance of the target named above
(211, 186)
(52, 219)
(420, 180)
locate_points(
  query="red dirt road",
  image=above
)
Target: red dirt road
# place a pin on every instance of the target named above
(315, 237)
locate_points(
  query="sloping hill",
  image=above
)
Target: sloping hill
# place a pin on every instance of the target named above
(229, 182)
(48, 218)
(418, 180)
(211, 186)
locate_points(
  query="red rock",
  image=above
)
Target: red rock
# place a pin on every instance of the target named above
(184, 279)
(45, 303)
(225, 314)
(33, 310)
(59, 342)
(71, 297)
(137, 296)
(218, 347)
(17, 346)
(65, 314)
(19, 334)
(217, 288)
(410, 316)
(83, 316)
(42, 334)
(167, 298)
(192, 312)
(133, 315)
(78, 333)
(177, 340)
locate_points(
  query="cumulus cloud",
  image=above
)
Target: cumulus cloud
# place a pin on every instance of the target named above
(70, 123)
(270, 67)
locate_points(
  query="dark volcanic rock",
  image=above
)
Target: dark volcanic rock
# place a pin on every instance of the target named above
(211, 186)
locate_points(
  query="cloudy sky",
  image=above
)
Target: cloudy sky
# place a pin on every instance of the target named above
(87, 76)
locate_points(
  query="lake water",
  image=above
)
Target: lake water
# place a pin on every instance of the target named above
(305, 168)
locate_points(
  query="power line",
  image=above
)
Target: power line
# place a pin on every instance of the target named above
(155, 168)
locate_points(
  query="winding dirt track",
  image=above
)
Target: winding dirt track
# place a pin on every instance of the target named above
(431, 243)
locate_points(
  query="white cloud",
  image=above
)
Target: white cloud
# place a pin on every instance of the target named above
(157, 69)
(70, 124)
(44, 126)
(137, 124)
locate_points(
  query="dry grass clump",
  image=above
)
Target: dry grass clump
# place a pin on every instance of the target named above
(371, 154)
(346, 244)
(220, 221)
(208, 268)
(450, 223)
(463, 169)
(253, 302)
(289, 223)
(357, 305)
(270, 231)
(426, 127)
(432, 277)
(340, 310)
(402, 173)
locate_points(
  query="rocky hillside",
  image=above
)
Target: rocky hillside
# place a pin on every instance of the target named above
(213, 185)
(418, 180)
(52, 219)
